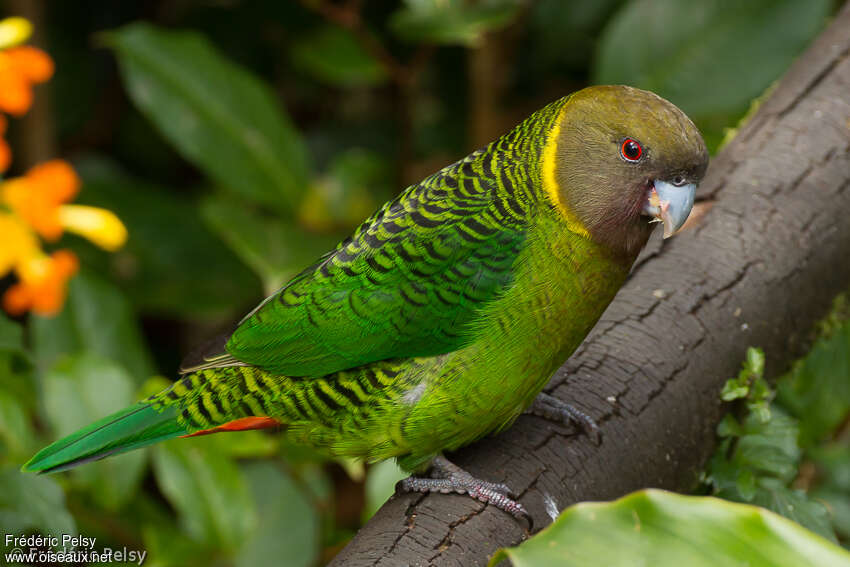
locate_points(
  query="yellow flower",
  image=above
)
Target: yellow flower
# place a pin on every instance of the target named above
(98, 225)
(19, 242)
(14, 31)
(40, 197)
(36, 204)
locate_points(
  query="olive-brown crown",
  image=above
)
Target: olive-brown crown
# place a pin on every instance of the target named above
(603, 178)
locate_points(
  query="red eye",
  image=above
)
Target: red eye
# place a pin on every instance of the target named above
(631, 150)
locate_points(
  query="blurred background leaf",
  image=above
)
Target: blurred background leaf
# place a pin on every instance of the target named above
(288, 523)
(96, 318)
(711, 57)
(273, 248)
(216, 114)
(29, 502)
(334, 56)
(452, 21)
(209, 492)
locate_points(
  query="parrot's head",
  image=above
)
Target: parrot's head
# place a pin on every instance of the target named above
(622, 160)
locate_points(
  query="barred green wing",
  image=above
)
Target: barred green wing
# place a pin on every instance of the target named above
(412, 279)
(407, 283)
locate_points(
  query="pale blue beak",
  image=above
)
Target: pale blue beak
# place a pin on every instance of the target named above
(670, 204)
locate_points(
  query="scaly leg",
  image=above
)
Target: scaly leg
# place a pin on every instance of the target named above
(553, 409)
(448, 477)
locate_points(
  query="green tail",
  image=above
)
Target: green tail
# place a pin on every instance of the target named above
(136, 426)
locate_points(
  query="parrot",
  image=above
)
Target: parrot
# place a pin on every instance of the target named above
(443, 316)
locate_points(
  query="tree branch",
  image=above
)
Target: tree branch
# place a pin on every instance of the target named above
(759, 268)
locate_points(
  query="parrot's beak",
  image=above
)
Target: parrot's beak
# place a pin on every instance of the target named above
(670, 204)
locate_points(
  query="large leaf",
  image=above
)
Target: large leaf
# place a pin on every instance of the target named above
(662, 529)
(218, 115)
(96, 318)
(208, 491)
(452, 21)
(288, 526)
(82, 389)
(172, 263)
(31, 502)
(711, 58)
(274, 249)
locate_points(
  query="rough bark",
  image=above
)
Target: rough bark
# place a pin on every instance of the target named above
(759, 268)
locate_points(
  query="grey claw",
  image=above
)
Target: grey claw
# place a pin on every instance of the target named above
(447, 477)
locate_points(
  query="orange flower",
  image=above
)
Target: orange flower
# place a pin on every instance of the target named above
(36, 204)
(36, 197)
(43, 284)
(21, 68)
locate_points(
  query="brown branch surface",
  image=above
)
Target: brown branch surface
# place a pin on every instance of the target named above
(759, 268)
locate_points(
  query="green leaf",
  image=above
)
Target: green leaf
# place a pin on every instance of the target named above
(381, 479)
(795, 505)
(755, 464)
(11, 335)
(218, 115)
(758, 449)
(31, 502)
(169, 547)
(82, 389)
(452, 21)
(15, 365)
(770, 448)
(832, 463)
(817, 390)
(96, 318)
(15, 429)
(663, 529)
(710, 58)
(288, 526)
(172, 263)
(274, 249)
(333, 55)
(208, 491)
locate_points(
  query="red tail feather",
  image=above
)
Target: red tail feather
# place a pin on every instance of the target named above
(241, 424)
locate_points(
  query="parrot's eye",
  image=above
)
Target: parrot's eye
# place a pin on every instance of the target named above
(631, 150)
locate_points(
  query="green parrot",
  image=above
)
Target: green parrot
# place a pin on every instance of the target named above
(442, 317)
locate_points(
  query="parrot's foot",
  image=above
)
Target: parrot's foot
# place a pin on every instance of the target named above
(448, 477)
(551, 408)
